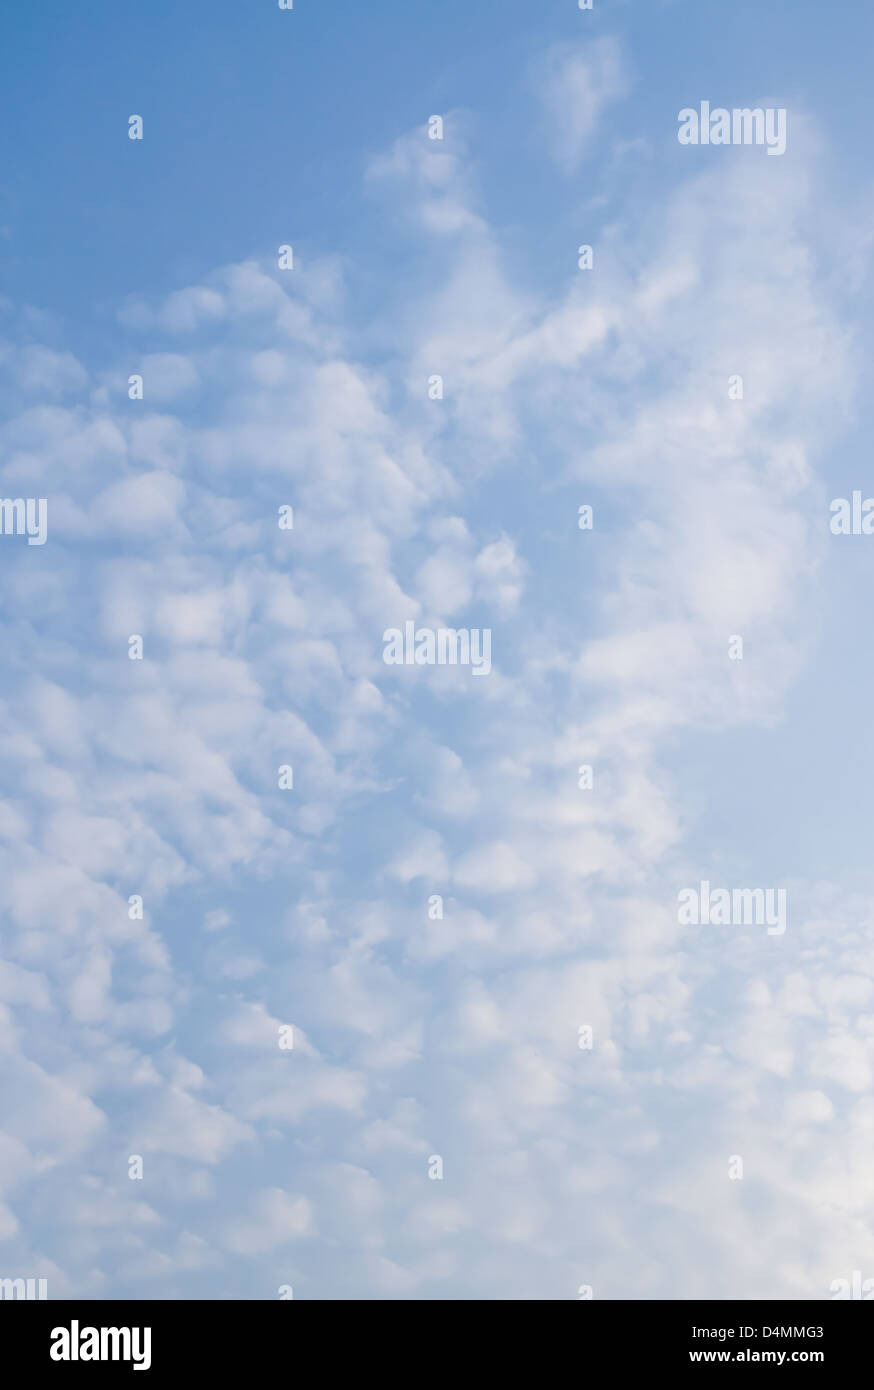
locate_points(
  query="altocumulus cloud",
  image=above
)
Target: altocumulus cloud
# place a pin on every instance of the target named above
(419, 1035)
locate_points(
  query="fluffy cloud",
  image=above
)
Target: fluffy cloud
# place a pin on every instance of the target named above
(417, 1035)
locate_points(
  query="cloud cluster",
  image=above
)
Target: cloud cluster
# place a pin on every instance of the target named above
(418, 1035)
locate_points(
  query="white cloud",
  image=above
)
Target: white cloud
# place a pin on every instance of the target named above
(576, 83)
(457, 1035)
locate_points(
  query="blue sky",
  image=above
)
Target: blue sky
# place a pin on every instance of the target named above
(419, 1037)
